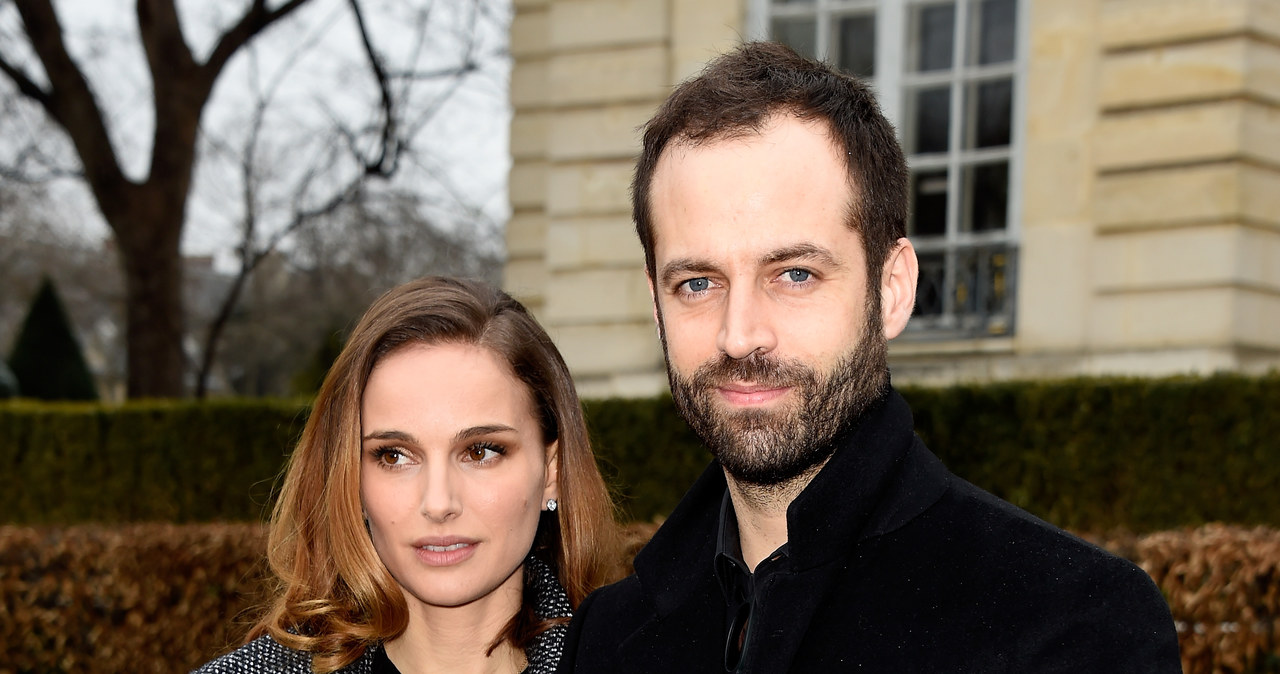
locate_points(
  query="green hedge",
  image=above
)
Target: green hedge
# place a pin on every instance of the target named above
(149, 461)
(1088, 454)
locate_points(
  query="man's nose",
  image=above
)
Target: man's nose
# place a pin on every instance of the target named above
(746, 326)
(440, 500)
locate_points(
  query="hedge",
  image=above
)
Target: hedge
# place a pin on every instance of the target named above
(171, 461)
(1087, 454)
(165, 598)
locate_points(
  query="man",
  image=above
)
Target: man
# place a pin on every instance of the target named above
(770, 199)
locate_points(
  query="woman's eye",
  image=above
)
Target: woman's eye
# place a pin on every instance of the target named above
(697, 285)
(798, 275)
(483, 451)
(389, 456)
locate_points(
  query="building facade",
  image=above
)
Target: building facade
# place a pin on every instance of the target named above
(1095, 183)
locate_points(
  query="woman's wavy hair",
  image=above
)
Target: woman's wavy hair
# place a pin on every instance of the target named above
(334, 595)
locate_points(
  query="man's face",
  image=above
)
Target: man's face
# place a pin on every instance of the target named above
(760, 287)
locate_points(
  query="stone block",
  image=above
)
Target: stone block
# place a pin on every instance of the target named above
(527, 185)
(1257, 258)
(1261, 194)
(1178, 135)
(600, 188)
(1057, 181)
(1168, 259)
(636, 74)
(1133, 23)
(579, 297)
(1170, 196)
(1261, 136)
(526, 280)
(530, 84)
(530, 33)
(608, 349)
(1175, 73)
(1053, 293)
(1062, 72)
(1157, 319)
(702, 29)
(530, 4)
(529, 134)
(604, 132)
(527, 235)
(1258, 319)
(577, 24)
(593, 242)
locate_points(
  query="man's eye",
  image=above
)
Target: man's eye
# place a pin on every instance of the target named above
(798, 275)
(697, 285)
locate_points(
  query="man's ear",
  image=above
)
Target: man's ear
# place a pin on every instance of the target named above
(898, 288)
(551, 487)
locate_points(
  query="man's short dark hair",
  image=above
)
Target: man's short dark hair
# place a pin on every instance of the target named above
(738, 92)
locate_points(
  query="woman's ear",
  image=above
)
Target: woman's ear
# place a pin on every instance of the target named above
(898, 288)
(551, 488)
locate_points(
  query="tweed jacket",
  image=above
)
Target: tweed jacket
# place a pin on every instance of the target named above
(892, 564)
(265, 655)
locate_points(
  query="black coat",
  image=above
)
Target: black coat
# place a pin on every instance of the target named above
(895, 565)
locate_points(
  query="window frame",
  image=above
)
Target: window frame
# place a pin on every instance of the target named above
(891, 82)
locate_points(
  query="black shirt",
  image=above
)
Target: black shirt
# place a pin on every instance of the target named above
(743, 590)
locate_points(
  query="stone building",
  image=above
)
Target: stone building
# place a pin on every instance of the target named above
(1095, 183)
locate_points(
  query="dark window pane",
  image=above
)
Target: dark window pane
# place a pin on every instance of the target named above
(929, 203)
(934, 36)
(857, 44)
(987, 186)
(997, 25)
(799, 34)
(930, 113)
(991, 104)
(931, 286)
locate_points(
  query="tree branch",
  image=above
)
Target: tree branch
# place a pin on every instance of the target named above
(257, 18)
(25, 85)
(69, 99)
(389, 148)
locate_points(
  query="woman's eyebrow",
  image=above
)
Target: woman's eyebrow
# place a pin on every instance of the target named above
(487, 429)
(391, 435)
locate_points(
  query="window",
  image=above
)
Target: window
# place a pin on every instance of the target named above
(947, 74)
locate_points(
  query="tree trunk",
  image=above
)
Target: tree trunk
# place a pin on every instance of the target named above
(152, 265)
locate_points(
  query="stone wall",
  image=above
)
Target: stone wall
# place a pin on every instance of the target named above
(1150, 203)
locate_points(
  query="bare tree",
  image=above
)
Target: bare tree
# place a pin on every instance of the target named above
(146, 216)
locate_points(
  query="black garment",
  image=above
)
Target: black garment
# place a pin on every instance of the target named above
(892, 565)
(265, 655)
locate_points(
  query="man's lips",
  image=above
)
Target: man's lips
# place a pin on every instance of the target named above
(751, 394)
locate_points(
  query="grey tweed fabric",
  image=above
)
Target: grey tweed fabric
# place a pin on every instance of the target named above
(265, 655)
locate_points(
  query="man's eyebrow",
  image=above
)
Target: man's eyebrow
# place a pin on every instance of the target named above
(682, 267)
(801, 251)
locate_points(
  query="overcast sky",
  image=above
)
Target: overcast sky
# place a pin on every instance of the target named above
(315, 72)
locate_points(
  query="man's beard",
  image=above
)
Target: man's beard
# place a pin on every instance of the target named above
(772, 447)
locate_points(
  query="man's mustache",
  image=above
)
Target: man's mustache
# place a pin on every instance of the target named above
(757, 369)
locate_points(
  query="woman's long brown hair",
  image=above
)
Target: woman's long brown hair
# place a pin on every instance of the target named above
(334, 596)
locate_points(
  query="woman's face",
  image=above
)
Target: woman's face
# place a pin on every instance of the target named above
(453, 472)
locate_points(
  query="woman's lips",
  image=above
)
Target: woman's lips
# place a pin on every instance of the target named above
(444, 551)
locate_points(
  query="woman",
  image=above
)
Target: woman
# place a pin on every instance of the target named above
(443, 510)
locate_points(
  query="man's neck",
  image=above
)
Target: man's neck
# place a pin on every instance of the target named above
(762, 513)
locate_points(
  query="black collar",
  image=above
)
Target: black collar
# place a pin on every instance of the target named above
(879, 477)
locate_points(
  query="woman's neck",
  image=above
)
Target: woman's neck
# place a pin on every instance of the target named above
(454, 640)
